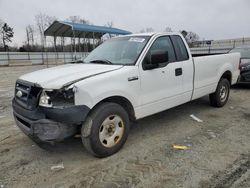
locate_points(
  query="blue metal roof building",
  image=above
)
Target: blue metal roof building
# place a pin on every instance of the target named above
(69, 29)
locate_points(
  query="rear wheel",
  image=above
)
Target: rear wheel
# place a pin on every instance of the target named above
(220, 97)
(105, 130)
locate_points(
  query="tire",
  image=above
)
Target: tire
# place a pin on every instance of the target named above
(220, 97)
(105, 130)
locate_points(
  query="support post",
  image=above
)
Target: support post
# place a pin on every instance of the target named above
(71, 48)
(55, 49)
(42, 58)
(84, 43)
(74, 45)
(93, 40)
(46, 50)
(62, 43)
(87, 45)
(8, 56)
(79, 44)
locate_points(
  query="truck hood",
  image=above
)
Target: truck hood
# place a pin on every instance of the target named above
(57, 77)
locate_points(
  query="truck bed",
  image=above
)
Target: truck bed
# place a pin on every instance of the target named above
(208, 69)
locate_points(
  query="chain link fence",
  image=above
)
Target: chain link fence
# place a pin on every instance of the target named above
(38, 58)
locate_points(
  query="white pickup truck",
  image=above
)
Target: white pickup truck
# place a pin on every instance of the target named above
(124, 79)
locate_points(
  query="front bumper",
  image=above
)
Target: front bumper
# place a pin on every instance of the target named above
(49, 124)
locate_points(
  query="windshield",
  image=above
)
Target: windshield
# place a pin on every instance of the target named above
(244, 52)
(118, 51)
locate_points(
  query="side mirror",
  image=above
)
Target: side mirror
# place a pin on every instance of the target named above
(158, 57)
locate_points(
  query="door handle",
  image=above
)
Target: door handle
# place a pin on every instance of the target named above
(178, 71)
(133, 78)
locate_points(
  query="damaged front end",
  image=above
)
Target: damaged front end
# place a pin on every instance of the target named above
(57, 98)
(47, 115)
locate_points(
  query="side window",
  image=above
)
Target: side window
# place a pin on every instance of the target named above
(162, 43)
(180, 48)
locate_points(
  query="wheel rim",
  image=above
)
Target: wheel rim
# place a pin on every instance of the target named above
(223, 93)
(111, 131)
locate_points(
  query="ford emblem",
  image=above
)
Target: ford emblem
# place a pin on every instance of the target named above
(19, 94)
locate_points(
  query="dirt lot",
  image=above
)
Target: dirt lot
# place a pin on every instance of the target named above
(218, 153)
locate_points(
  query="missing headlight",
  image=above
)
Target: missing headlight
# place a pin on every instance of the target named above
(57, 98)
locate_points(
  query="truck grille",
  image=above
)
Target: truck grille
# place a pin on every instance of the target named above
(27, 94)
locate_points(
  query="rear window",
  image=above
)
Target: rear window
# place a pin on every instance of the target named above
(180, 48)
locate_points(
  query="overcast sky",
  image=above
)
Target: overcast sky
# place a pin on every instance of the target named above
(210, 19)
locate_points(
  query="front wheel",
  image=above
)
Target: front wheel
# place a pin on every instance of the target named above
(220, 97)
(105, 130)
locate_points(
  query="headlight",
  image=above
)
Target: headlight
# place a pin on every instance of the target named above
(57, 98)
(45, 100)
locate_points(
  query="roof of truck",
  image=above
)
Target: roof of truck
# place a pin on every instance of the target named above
(152, 33)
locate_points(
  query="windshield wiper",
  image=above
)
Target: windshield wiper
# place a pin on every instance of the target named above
(78, 61)
(101, 61)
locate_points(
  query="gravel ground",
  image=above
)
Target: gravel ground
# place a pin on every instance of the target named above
(218, 153)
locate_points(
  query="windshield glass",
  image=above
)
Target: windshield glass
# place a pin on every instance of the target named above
(118, 51)
(244, 52)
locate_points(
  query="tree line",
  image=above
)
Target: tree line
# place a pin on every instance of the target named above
(36, 41)
(190, 36)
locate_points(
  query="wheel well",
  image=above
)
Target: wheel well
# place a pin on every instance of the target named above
(228, 76)
(125, 103)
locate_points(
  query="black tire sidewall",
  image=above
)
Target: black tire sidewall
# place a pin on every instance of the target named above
(100, 114)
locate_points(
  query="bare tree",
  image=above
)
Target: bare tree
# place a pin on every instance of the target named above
(142, 31)
(30, 35)
(77, 19)
(27, 36)
(6, 33)
(168, 29)
(1, 26)
(108, 35)
(184, 33)
(147, 30)
(109, 24)
(43, 21)
(190, 36)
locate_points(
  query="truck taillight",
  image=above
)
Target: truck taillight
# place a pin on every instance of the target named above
(244, 64)
(241, 64)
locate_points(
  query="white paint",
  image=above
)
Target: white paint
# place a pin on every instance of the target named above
(55, 77)
(154, 91)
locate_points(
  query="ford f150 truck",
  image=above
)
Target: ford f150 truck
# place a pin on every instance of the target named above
(124, 79)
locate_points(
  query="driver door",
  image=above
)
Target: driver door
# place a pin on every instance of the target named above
(161, 87)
